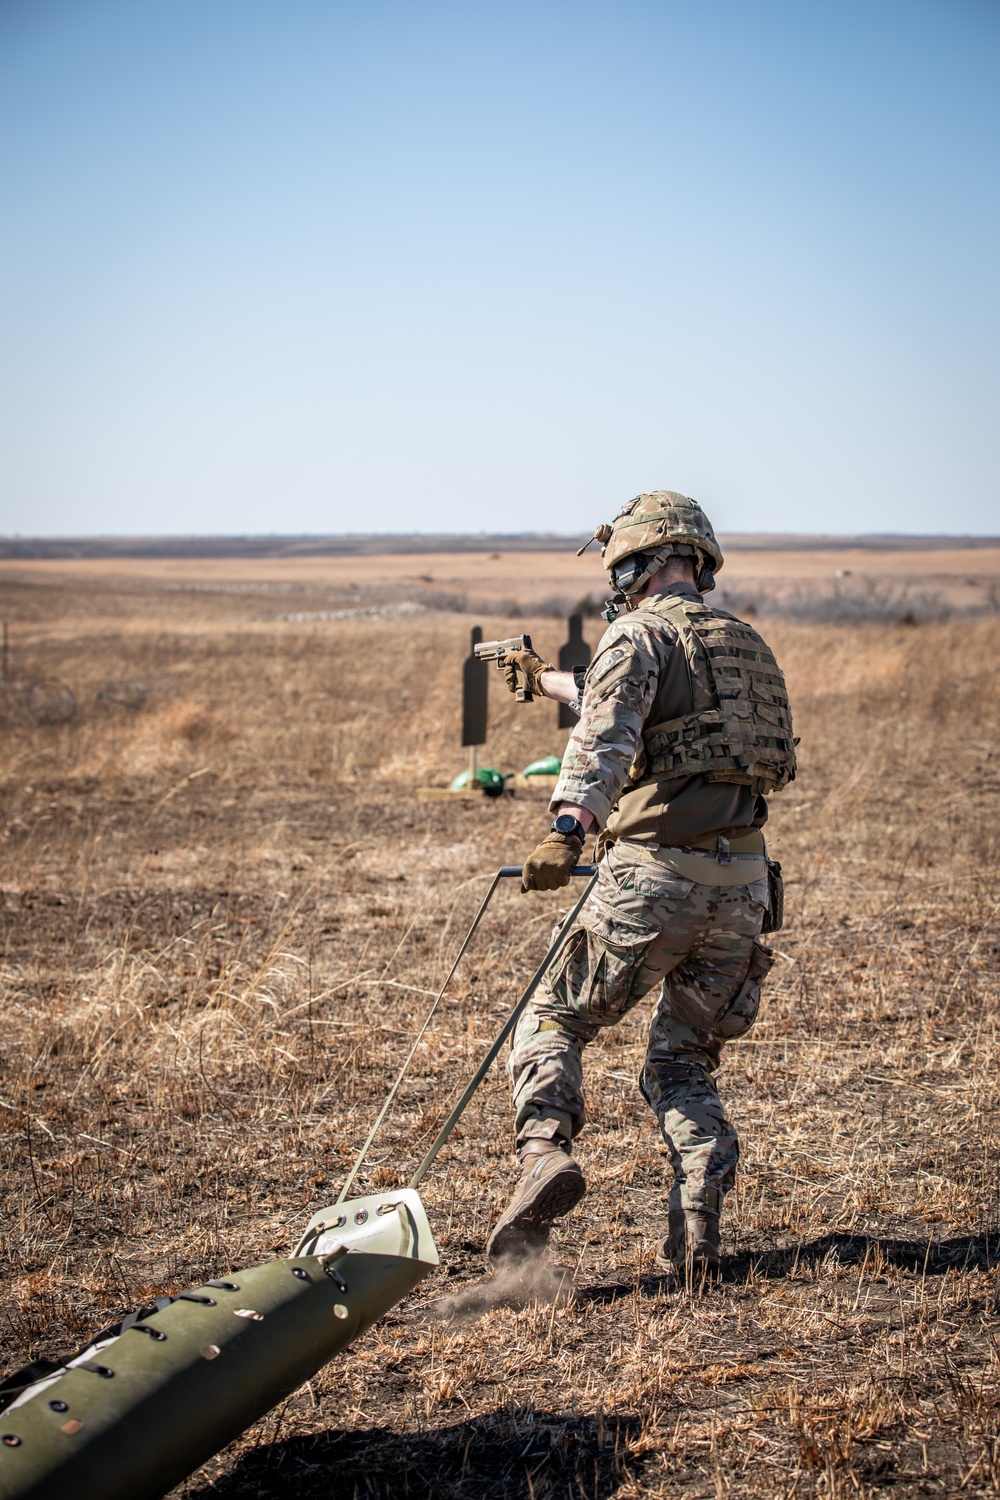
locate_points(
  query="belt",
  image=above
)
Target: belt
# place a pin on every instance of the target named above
(723, 848)
(716, 861)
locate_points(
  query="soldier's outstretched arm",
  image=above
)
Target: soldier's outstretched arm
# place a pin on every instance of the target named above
(619, 689)
(560, 686)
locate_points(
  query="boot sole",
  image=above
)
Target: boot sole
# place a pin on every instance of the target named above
(528, 1227)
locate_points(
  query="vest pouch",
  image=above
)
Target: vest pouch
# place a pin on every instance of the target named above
(740, 728)
(738, 1017)
(774, 917)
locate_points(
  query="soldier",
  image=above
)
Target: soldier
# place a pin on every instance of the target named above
(684, 728)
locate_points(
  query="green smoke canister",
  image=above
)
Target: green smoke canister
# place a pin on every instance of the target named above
(490, 780)
(138, 1410)
(549, 765)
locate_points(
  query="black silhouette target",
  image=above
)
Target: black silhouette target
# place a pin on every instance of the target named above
(575, 653)
(475, 682)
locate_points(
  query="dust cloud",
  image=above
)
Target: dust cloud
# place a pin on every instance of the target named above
(519, 1281)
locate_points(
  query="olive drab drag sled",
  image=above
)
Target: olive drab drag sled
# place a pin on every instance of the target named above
(149, 1400)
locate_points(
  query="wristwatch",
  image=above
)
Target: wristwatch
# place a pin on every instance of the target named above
(569, 826)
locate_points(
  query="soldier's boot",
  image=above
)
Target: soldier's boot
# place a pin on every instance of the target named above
(670, 1252)
(691, 1254)
(551, 1183)
(703, 1257)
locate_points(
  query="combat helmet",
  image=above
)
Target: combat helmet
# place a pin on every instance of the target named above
(651, 528)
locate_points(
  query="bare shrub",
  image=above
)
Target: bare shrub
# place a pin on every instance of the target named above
(864, 602)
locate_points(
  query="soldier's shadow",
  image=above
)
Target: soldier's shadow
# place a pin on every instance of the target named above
(931, 1257)
(506, 1455)
(934, 1257)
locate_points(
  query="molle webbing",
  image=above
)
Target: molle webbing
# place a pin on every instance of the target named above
(740, 729)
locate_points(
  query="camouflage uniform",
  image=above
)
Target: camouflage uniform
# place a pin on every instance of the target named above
(665, 913)
(644, 924)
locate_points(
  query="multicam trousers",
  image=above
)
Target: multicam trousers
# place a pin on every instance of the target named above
(644, 925)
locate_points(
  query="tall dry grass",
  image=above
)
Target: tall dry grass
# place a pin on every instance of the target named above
(223, 915)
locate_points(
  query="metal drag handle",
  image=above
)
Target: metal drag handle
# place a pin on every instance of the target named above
(505, 870)
(508, 1025)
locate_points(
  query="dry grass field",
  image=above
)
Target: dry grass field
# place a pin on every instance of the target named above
(224, 910)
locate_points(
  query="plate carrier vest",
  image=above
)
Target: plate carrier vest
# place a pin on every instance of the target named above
(740, 729)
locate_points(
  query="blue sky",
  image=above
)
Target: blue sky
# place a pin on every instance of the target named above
(310, 267)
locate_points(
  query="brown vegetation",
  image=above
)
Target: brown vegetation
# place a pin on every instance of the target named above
(223, 910)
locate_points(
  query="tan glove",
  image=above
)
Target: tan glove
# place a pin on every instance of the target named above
(523, 669)
(552, 863)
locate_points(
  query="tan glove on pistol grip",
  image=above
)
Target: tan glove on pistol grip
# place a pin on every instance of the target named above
(516, 658)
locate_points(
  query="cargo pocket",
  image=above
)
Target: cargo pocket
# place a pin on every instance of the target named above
(596, 973)
(741, 1012)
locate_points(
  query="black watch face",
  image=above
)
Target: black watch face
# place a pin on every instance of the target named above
(565, 823)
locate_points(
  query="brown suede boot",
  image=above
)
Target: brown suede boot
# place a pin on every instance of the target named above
(670, 1252)
(550, 1184)
(690, 1253)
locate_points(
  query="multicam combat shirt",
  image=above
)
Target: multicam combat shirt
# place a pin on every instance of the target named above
(638, 661)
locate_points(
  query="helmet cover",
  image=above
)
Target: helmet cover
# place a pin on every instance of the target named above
(661, 522)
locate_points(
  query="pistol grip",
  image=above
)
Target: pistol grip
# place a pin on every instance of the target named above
(524, 695)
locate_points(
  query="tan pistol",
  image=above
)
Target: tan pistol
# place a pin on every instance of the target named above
(497, 650)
